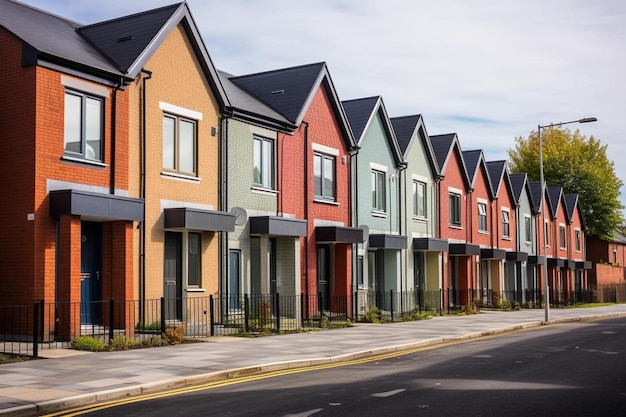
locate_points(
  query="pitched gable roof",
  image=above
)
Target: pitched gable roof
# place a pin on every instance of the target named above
(475, 160)
(519, 184)
(499, 174)
(247, 107)
(51, 38)
(290, 91)
(114, 50)
(572, 203)
(410, 128)
(361, 112)
(444, 146)
(124, 40)
(555, 195)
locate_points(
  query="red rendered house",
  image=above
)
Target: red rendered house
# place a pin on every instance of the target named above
(558, 262)
(576, 248)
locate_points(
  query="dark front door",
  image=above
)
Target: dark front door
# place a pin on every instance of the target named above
(323, 277)
(234, 279)
(173, 276)
(90, 269)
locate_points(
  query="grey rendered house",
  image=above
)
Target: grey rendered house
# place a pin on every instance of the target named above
(424, 258)
(263, 253)
(377, 188)
(526, 213)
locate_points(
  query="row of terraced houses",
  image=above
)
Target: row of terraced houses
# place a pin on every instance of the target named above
(133, 169)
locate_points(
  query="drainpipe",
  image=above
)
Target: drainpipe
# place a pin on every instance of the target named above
(113, 138)
(142, 224)
(306, 206)
(222, 189)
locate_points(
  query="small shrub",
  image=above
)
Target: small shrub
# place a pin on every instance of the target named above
(175, 335)
(153, 342)
(324, 322)
(373, 315)
(505, 305)
(88, 343)
(497, 300)
(120, 342)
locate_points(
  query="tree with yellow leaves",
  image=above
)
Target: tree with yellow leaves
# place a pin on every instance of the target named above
(580, 166)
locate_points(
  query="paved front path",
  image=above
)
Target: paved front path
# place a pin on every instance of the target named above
(44, 386)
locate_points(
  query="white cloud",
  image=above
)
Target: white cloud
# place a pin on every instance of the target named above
(490, 71)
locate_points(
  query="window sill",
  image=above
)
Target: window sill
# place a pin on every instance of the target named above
(528, 243)
(506, 238)
(195, 290)
(420, 219)
(83, 161)
(381, 214)
(330, 202)
(455, 226)
(262, 190)
(483, 232)
(182, 177)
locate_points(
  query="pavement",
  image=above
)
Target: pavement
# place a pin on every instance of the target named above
(69, 378)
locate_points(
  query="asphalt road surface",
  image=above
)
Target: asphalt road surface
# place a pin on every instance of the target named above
(560, 370)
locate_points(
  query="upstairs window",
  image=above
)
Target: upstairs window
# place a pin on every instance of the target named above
(578, 240)
(324, 176)
(562, 236)
(528, 228)
(546, 234)
(263, 170)
(378, 191)
(179, 144)
(83, 125)
(505, 224)
(455, 209)
(419, 200)
(482, 217)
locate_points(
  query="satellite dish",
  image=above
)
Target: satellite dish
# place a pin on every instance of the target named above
(241, 216)
(366, 232)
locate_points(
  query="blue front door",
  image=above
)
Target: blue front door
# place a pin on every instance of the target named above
(90, 268)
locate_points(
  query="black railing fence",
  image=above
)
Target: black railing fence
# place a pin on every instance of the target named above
(27, 329)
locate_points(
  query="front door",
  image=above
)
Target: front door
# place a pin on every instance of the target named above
(90, 270)
(234, 278)
(419, 284)
(173, 276)
(323, 278)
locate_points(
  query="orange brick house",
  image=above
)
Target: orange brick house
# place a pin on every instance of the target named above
(85, 137)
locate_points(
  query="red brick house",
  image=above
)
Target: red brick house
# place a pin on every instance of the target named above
(455, 221)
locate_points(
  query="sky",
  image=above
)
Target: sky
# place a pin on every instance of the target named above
(487, 70)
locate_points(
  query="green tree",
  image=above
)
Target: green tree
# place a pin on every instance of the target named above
(580, 166)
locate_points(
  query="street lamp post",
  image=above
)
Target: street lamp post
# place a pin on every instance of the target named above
(546, 287)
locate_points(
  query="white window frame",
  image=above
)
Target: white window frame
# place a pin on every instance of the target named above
(528, 229)
(320, 193)
(177, 161)
(420, 204)
(454, 199)
(506, 223)
(578, 237)
(267, 174)
(379, 197)
(562, 236)
(482, 216)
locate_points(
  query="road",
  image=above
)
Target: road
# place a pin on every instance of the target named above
(560, 370)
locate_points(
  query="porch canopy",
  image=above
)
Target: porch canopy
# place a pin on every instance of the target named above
(516, 256)
(463, 249)
(492, 254)
(384, 241)
(429, 244)
(95, 205)
(199, 219)
(556, 262)
(536, 260)
(338, 234)
(583, 265)
(277, 226)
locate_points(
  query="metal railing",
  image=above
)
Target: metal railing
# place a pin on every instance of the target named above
(27, 329)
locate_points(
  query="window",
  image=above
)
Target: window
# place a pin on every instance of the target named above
(83, 124)
(578, 240)
(378, 191)
(324, 176)
(179, 144)
(528, 227)
(359, 271)
(482, 217)
(455, 209)
(263, 170)
(505, 224)
(194, 249)
(562, 236)
(546, 235)
(419, 199)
